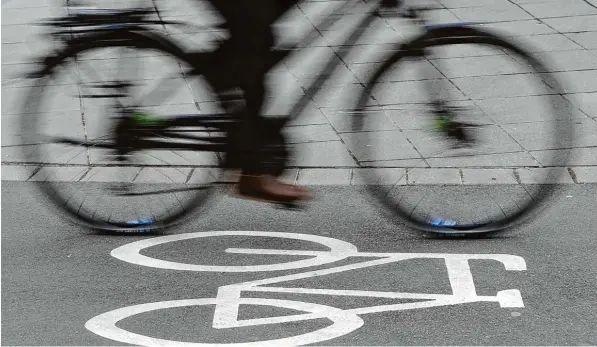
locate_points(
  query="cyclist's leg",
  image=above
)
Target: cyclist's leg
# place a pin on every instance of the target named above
(250, 41)
(252, 38)
(256, 54)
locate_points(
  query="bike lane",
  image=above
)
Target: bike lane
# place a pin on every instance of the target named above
(336, 274)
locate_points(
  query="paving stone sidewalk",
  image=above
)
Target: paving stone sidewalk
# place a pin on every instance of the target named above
(564, 32)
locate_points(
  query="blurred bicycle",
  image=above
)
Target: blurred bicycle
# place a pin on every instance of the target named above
(142, 131)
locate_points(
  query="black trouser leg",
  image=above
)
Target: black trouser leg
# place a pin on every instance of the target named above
(252, 132)
(251, 39)
(253, 69)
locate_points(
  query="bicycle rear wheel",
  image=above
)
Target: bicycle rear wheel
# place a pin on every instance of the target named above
(79, 96)
(473, 145)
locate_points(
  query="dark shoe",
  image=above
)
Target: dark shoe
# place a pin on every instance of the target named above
(269, 189)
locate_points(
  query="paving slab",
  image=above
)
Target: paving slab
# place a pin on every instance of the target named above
(569, 25)
(112, 174)
(542, 175)
(17, 172)
(585, 174)
(163, 175)
(322, 154)
(59, 98)
(479, 66)
(31, 3)
(466, 3)
(521, 28)
(547, 43)
(587, 102)
(12, 16)
(527, 109)
(65, 173)
(584, 81)
(494, 12)
(548, 10)
(341, 120)
(585, 39)
(381, 176)
(568, 60)
(578, 156)
(325, 177)
(311, 133)
(488, 176)
(434, 176)
(495, 160)
(531, 136)
(385, 145)
(507, 86)
(493, 139)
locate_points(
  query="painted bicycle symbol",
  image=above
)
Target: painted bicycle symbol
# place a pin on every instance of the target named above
(229, 297)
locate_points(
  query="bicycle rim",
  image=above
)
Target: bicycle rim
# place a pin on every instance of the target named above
(502, 95)
(151, 189)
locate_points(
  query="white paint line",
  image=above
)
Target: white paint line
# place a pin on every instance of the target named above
(316, 273)
(342, 323)
(406, 306)
(511, 262)
(265, 251)
(226, 310)
(510, 298)
(227, 307)
(363, 293)
(502, 299)
(274, 320)
(461, 278)
(506, 298)
(131, 252)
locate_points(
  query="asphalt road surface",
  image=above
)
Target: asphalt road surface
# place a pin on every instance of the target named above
(368, 281)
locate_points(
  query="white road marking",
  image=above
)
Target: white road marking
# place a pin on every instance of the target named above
(460, 276)
(343, 322)
(131, 252)
(228, 299)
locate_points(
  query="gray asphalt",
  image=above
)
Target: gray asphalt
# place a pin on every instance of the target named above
(56, 276)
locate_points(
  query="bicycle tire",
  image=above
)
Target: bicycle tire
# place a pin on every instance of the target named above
(462, 34)
(140, 40)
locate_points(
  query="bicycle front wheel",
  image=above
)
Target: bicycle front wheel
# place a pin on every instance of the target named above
(70, 123)
(461, 131)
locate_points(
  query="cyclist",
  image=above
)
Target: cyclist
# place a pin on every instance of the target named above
(245, 55)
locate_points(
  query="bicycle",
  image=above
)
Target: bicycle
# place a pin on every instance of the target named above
(133, 145)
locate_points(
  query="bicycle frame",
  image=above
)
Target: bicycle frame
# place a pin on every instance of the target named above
(177, 127)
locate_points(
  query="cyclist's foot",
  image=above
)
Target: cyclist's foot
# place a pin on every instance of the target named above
(268, 188)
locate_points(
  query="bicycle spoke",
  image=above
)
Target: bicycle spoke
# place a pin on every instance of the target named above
(104, 84)
(469, 154)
